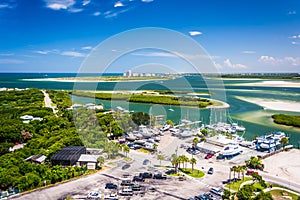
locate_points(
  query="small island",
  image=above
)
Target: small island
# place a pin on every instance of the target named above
(154, 97)
(289, 120)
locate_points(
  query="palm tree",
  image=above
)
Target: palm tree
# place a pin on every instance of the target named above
(234, 169)
(126, 150)
(175, 162)
(193, 161)
(160, 157)
(195, 141)
(243, 169)
(284, 141)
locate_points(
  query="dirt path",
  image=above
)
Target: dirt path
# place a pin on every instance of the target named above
(48, 102)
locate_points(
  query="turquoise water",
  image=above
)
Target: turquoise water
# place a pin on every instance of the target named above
(254, 118)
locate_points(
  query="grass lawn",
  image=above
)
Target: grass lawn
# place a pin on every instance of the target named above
(236, 185)
(282, 194)
(127, 159)
(143, 150)
(196, 173)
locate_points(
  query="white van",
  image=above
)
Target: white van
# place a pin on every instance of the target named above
(216, 191)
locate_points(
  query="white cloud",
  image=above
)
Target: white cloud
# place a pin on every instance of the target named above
(288, 60)
(75, 10)
(248, 52)
(147, 1)
(267, 59)
(4, 6)
(42, 52)
(59, 4)
(11, 61)
(228, 63)
(293, 12)
(118, 4)
(87, 48)
(295, 43)
(72, 53)
(86, 2)
(6, 54)
(154, 54)
(295, 36)
(97, 13)
(194, 33)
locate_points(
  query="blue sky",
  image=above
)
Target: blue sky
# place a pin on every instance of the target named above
(239, 35)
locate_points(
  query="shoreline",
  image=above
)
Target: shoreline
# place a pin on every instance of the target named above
(271, 83)
(82, 80)
(272, 104)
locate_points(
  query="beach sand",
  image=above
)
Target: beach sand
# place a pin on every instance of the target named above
(271, 83)
(271, 104)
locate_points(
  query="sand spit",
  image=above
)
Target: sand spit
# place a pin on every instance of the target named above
(274, 104)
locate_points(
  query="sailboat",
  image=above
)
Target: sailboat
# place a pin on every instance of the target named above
(170, 109)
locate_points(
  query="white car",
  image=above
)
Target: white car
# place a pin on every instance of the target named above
(111, 196)
(94, 195)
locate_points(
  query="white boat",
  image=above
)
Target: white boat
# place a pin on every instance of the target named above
(165, 127)
(170, 109)
(231, 149)
(267, 144)
(145, 132)
(236, 127)
(279, 135)
(187, 132)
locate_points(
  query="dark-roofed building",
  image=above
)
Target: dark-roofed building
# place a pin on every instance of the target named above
(68, 156)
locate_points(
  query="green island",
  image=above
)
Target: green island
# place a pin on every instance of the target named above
(149, 97)
(289, 120)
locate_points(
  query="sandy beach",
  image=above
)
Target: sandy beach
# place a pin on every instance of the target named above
(271, 83)
(272, 104)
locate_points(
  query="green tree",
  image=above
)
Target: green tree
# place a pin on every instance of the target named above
(101, 160)
(126, 150)
(195, 141)
(160, 157)
(284, 141)
(170, 122)
(263, 196)
(246, 192)
(193, 161)
(226, 194)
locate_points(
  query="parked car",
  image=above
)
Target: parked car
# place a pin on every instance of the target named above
(210, 170)
(94, 195)
(146, 175)
(208, 156)
(146, 162)
(126, 166)
(170, 171)
(138, 179)
(249, 172)
(111, 196)
(111, 186)
(201, 197)
(216, 191)
(126, 183)
(159, 176)
(126, 192)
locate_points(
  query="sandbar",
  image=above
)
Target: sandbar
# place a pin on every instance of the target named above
(274, 104)
(271, 83)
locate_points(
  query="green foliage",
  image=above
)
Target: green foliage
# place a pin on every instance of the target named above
(288, 120)
(47, 137)
(245, 193)
(149, 98)
(140, 118)
(263, 196)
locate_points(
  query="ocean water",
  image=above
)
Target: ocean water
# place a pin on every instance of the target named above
(256, 120)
